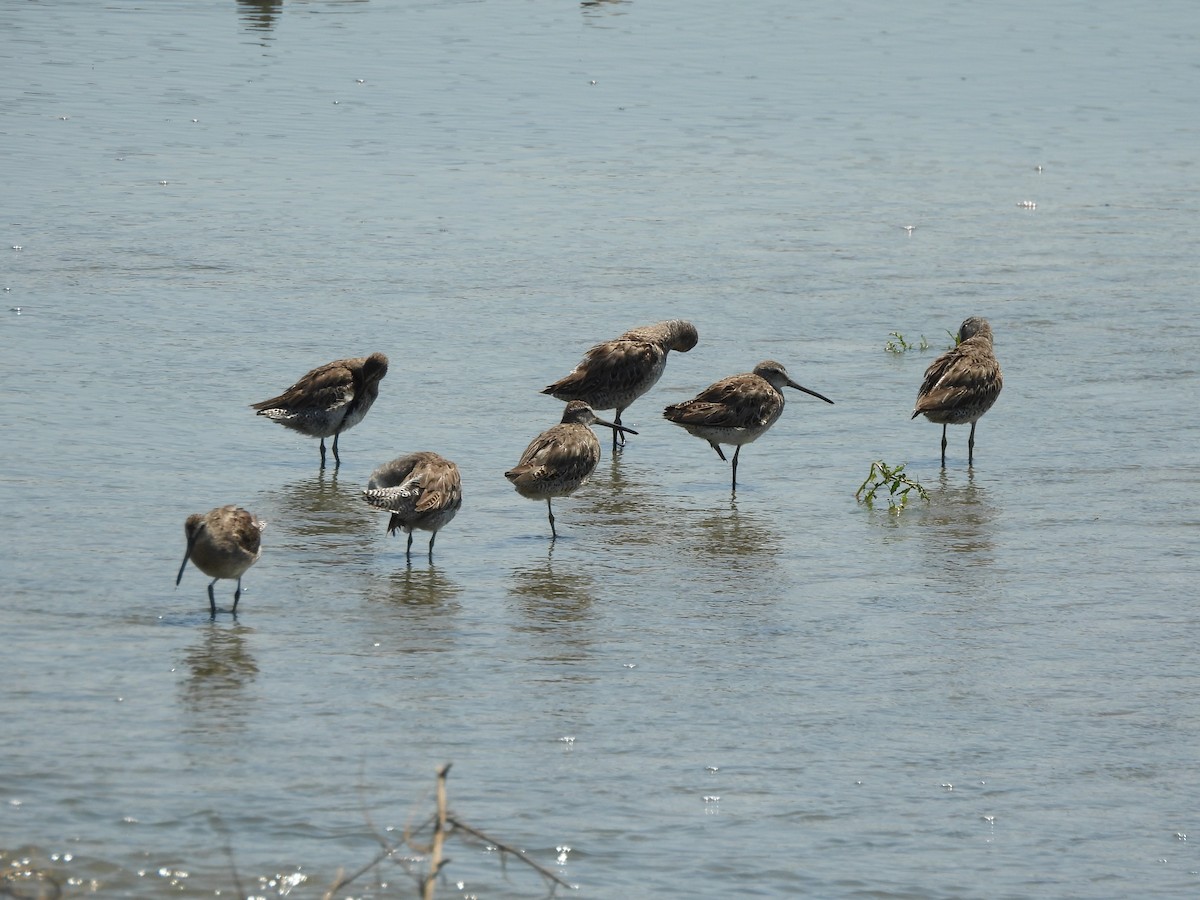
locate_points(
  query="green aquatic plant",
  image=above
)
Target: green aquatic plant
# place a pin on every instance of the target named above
(898, 484)
(897, 344)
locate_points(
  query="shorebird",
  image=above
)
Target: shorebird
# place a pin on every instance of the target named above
(559, 460)
(614, 374)
(738, 409)
(328, 400)
(420, 490)
(222, 543)
(963, 383)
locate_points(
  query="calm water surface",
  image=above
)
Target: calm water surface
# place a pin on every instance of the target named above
(775, 693)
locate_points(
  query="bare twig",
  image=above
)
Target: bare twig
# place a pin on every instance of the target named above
(439, 837)
(504, 848)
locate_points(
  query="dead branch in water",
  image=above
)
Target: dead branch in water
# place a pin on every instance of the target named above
(445, 824)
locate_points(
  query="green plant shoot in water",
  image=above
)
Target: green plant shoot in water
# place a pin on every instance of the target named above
(898, 484)
(897, 344)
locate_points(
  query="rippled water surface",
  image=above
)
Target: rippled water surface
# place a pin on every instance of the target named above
(690, 693)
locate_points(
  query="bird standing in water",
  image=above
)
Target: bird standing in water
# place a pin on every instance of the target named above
(420, 490)
(737, 410)
(615, 373)
(222, 543)
(328, 400)
(962, 384)
(559, 460)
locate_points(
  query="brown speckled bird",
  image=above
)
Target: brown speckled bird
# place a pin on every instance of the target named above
(962, 384)
(737, 410)
(420, 490)
(560, 460)
(614, 374)
(328, 400)
(222, 543)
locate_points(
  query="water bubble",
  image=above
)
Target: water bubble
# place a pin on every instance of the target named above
(567, 739)
(712, 769)
(947, 786)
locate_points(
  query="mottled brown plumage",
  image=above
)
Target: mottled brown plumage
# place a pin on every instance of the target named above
(737, 410)
(559, 460)
(613, 374)
(963, 383)
(222, 543)
(421, 490)
(328, 400)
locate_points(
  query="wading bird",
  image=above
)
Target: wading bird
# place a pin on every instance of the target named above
(222, 543)
(328, 400)
(614, 374)
(559, 460)
(420, 490)
(962, 384)
(737, 410)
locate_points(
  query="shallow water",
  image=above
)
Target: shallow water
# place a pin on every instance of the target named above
(991, 694)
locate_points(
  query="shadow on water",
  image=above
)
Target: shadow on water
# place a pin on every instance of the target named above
(259, 14)
(963, 515)
(320, 510)
(592, 9)
(956, 533)
(730, 541)
(631, 504)
(421, 587)
(555, 606)
(220, 670)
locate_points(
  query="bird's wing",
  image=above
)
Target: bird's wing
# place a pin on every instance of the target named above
(327, 387)
(613, 366)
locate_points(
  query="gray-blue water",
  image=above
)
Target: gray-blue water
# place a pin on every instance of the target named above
(777, 693)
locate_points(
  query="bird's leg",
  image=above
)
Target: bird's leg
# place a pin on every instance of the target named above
(237, 595)
(432, 538)
(944, 444)
(337, 460)
(971, 447)
(408, 549)
(617, 433)
(322, 453)
(212, 601)
(717, 447)
(735, 459)
(550, 509)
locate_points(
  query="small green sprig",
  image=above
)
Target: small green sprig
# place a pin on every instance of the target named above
(898, 484)
(897, 344)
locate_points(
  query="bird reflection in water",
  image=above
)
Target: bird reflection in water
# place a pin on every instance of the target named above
(593, 8)
(317, 507)
(555, 604)
(424, 587)
(963, 516)
(733, 541)
(220, 671)
(624, 498)
(259, 14)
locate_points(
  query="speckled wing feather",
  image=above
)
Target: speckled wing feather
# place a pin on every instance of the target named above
(611, 368)
(964, 378)
(556, 456)
(326, 388)
(740, 401)
(247, 531)
(440, 487)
